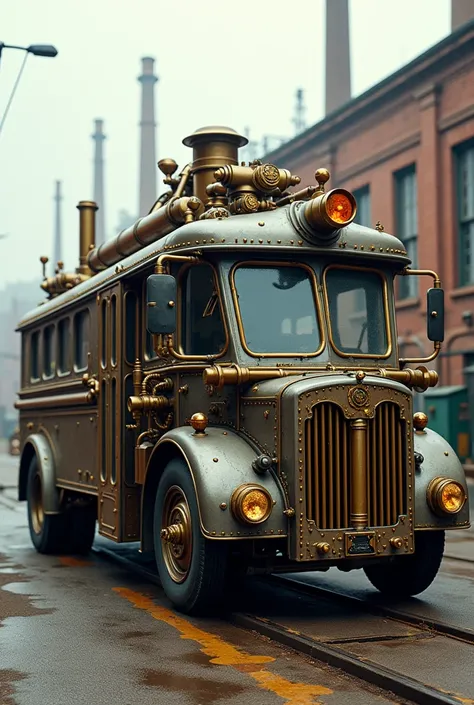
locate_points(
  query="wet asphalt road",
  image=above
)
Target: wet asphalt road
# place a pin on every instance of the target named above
(87, 631)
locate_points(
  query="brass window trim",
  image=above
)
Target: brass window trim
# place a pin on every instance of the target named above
(317, 305)
(386, 313)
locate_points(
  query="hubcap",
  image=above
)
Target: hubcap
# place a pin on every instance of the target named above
(176, 535)
(36, 509)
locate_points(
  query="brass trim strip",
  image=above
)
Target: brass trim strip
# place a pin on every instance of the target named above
(386, 312)
(55, 401)
(359, 517)
(317, 305)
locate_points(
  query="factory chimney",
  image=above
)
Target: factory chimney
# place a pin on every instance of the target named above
(57, 227)
(99, 138)
(147, 194)
(338, 58)
(462, 11)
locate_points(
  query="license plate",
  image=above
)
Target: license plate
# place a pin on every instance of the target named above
(361, 543)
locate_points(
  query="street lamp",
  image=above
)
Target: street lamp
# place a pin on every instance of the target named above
(35, 49)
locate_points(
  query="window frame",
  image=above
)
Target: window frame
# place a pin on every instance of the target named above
(385, 297)
(407, 286)
(459, 151)
(85, 310)
(59, 372)
(316, 298)
(357, 193)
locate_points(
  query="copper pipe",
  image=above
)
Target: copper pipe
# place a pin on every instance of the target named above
(56, 401)
(145, 231)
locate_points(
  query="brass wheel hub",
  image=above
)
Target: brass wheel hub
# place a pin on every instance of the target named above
(36, 508)
(176, 534)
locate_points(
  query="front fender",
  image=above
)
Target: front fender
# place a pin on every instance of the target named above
(37, 444)
(219, 462)
(439, 460)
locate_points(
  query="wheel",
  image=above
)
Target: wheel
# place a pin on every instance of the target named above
(71, 531)
(191, 568)
(410, 575)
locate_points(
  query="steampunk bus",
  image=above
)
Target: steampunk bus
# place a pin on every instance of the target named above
(221, 382)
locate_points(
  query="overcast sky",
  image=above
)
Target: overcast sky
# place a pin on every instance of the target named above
(236, 64)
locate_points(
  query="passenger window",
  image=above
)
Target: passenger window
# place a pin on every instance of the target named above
(48, 362)
(81, 339)
(63, 346)
(202, 329)
(34, 359)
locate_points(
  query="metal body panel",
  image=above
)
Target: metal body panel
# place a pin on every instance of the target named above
(219, 462)
(37, 444)
(439, 460)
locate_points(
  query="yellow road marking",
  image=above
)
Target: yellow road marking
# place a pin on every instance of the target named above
(224, 654)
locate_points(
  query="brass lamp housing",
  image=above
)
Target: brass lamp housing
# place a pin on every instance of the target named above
(316, 211)
(434, 496)
(237, 500)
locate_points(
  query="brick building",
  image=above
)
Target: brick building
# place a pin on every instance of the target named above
(405, 148)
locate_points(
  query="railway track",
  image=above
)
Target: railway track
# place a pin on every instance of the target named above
(336, 653)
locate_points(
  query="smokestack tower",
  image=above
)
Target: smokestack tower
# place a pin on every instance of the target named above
(338, 56)
(57, 227)
(462, 11)
(99, 138)
(147, 195)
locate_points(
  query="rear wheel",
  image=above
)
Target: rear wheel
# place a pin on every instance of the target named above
(71, 531)
(410, 575)
(191, 568)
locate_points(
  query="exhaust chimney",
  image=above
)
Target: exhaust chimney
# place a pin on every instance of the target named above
(338, 56)
(99, 138)
(462, 11)
(57, 227)
(147, 195)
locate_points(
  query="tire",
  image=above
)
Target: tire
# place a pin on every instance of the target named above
(407, 576)
(192, 569)
(71, 531)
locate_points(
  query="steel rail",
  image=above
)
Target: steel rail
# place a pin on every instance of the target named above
(367, 671)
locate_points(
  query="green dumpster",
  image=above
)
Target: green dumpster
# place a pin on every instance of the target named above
(448, 414)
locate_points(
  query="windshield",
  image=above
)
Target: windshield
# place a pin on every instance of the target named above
(277, 306)
(357, 312)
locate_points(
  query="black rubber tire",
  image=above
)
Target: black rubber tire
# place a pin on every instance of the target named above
(410, 575)
(71, 531)
(50, 537)
(203, 588)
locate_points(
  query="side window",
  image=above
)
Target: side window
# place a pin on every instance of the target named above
(63, 346)
(81, 339)
(34, 356)
(48, 346)
(202, 330)
(130, 327)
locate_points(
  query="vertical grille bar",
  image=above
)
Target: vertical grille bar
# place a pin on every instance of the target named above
(327, 449)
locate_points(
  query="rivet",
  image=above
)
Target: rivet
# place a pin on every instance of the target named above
(446, 452)
(215, 460)
(261, 223)
(245, 239)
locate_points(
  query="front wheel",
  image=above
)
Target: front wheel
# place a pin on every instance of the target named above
(410, 575)
(191, 567)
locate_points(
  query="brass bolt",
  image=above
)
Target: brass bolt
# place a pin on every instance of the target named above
(322, 547)
(223, 506)
(396, 542)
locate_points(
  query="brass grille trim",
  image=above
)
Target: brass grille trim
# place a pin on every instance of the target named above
(332, 490)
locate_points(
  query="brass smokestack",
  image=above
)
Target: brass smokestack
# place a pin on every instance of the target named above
(213, 147)
(87, 211)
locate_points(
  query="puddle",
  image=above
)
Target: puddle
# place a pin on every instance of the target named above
(7, 688)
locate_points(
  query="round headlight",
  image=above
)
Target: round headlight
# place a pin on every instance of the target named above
(339, 207)
(251, 504)
(446, 496)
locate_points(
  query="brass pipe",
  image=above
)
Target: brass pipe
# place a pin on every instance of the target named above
(359, 516)
(218, 376)
(301, 195)
(87, 211)
(56, 401)
(145, 231)
(421, 378)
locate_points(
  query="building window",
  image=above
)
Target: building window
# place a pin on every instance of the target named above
(465, 196)
(81, 339)
(362, 197)
(48, 362)
(407, 226)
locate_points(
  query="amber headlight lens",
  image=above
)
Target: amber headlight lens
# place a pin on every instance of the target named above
(251, 504)
(339, 208)
(446, 496)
